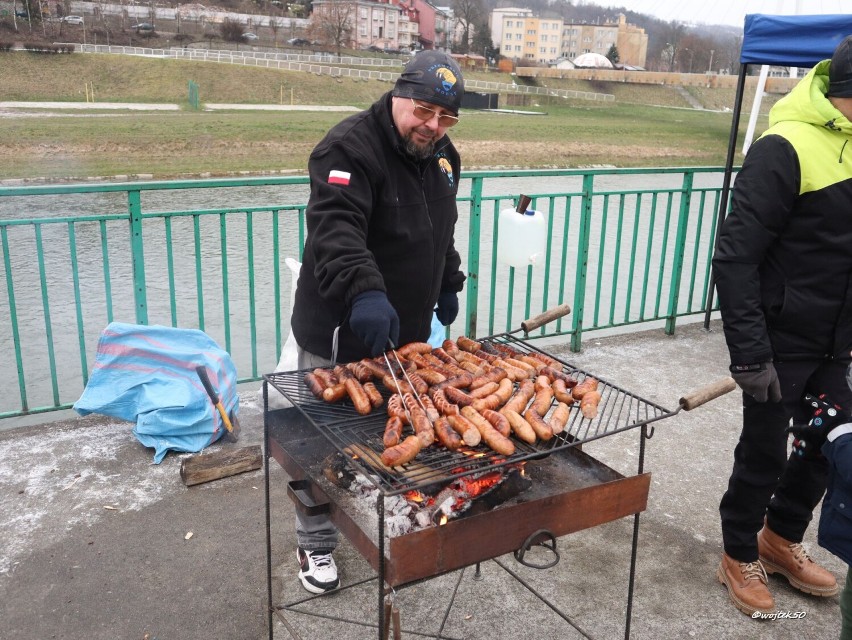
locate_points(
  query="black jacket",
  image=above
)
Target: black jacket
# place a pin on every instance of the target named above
(386, 223)
(783, 264)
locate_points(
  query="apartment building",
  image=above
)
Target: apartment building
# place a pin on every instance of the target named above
(531, 39)
(631, 41)
(524, 37)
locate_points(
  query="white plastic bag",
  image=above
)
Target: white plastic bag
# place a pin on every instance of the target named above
(289, 360)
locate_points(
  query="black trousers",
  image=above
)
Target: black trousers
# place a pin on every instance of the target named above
(764, 481)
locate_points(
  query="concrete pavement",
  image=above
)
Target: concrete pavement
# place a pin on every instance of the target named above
(95, 542)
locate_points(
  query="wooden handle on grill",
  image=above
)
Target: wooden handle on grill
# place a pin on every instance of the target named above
(548, 316)
(707, 393)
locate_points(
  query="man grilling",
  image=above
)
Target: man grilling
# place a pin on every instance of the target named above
(379, 256)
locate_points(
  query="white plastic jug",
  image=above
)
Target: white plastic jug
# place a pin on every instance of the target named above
(521, 237)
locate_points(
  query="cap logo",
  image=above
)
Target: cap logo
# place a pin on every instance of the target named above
(448, 79)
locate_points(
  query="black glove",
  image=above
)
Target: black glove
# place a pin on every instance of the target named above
(758, 380)
(809, 438)
(374, 320)
(448, 307)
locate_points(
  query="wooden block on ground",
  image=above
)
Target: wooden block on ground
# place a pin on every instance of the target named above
(220, 464)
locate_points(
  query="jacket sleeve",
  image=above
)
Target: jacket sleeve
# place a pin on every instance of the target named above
(343, 191)
(839, 454)
(763, 198)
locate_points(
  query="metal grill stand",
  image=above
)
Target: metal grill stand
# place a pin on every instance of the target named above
(603, 495)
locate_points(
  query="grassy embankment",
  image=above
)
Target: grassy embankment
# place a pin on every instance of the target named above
(645, 126)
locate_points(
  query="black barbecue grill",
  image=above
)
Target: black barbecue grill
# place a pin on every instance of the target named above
(573, 492)
(348, 432)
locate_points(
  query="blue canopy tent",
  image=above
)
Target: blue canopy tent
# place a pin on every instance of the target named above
(786, 41)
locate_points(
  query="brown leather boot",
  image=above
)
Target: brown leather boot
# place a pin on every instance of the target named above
(792, 561)
(746, 582)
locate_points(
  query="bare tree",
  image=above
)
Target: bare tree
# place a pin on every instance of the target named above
(332, 21)
(467, 13)
(231, 30)
(274, 26)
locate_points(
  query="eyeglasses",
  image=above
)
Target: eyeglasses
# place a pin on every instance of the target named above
(426, 114)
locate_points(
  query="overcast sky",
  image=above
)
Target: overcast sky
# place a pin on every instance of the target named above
(731, 12)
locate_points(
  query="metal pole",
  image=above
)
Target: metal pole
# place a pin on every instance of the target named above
(726, 182)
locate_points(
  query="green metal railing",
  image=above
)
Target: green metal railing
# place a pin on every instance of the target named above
(625, 247)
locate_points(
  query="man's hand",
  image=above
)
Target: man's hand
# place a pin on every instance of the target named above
(758, 380)
(448, 307)
(374, 320)
(809, 438)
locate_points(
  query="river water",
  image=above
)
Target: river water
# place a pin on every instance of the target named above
(196, 271)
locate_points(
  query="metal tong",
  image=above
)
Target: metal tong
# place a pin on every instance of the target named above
(407, 379)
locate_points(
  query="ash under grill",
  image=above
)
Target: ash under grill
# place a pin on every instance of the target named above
(359, 438)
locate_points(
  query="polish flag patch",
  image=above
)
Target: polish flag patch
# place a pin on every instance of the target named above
(339, 177)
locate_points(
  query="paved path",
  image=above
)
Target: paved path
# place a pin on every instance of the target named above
(138, 106)
(94, 535)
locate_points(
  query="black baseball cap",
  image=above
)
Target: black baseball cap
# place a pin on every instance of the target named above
(840, 70)
(432, 76)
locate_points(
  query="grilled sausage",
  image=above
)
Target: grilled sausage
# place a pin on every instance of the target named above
(559, 418)
(431, 410)
(519, 401)
(358, 396)
(335, 393)
(589, 384)
(541, 428)
(484, 390)
(373, 394)
(520, 427)
(496, 399)
(550, 362)
(396, 408)
(561, 393)
(493, 438)
(393, 432)
(326, 377)
(589, 404)
(422, 426)
(466, 344)
(446, 435)
(498, 421)
(444, 406)
(466, 429)
(414, 347)
(430, 376)
(315, 385)
(543, 400)
(457, 396)
(515, 373)
(419, 384)
(400, 384)
(404, 452)
(362, 372)
(520, 364)
(378, 368)
(557, 374)
(495, 374)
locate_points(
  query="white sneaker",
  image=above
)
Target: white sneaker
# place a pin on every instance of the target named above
(317, 570)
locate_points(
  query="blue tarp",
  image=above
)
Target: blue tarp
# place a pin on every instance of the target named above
(146, 374)
(792, 41)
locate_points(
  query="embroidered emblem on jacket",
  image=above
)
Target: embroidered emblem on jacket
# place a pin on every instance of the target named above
(339, 177)
(447, 168)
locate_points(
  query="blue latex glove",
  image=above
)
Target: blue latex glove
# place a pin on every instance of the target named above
(448, 307)
(809, 438)
(374, 321)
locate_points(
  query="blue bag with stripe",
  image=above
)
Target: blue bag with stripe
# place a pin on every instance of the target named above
(146, 374)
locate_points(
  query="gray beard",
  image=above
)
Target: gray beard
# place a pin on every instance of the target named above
(417, 151)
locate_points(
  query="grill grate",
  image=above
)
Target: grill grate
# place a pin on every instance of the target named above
(359, 438)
